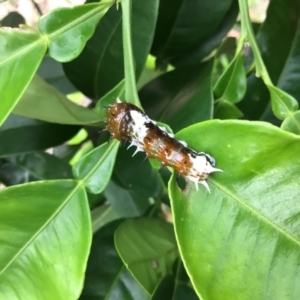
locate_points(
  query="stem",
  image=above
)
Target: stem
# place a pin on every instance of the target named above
(130, 82)
(247, 33)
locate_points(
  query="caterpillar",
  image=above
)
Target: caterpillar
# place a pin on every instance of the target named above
(127, 123)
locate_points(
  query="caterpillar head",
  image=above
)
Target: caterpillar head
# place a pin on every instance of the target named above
(202, 165)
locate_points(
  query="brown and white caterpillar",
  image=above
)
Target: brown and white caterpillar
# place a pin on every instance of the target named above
(126, 122)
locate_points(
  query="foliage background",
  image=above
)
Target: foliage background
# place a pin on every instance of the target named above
(81, 218)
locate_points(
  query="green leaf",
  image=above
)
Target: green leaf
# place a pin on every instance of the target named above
(68, 29)
(19, 135)
(186, 32)
(95, 168)
(175, 285)
(231, 86)
(43, 102)
(106, 276)
(110, 98)
(180, 97)
(21, 48)
(292, 123)
(148, 249)
(237, 241)
(164, 289)
(125, 202)
(102, 215)
(281, 21)
(136, 176)
(290, 74)
(40, 225)
(97, 72)
(66, 152)
(95, 200)
(32, 167)
(52, 72)
(282, 103)
(226, 110)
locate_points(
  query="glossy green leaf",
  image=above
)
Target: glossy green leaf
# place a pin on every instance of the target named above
(226, 110)
(239, 240)
(136, 176)
(181, 97)
(95, 200)
(290, 74)
(165, 288)
(282, 18)
(275, 39)
(176, 286)
(100, 67)
(125, 202)
(110, 98)
(95, 168)
(148, 249)
(43, 102)
(52, 72)
(22, 48)
(19, 135)
(187, 31)
(32, 167)
(231, 86)
(102, 215)
(106, 276)
(66, 152)
(68, 29)
(292, 123)
(40, 224)
(282, 103)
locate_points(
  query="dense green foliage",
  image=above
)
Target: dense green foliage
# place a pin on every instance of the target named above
(86, 219)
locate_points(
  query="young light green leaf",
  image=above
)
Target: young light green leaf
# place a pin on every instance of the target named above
(95, 168)
(282, 103)
(237, 241)
(148, 249)
(43, 102)
(45, 239)
(20, 48)
(68, 29)
(292, 123)
(110, 98)
(232, 84)
(226, 110)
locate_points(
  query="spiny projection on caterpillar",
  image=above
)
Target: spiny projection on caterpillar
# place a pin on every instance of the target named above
(127, 123)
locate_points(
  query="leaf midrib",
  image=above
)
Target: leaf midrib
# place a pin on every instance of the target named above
(256, 213)
(31, 240)
(99, 8)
